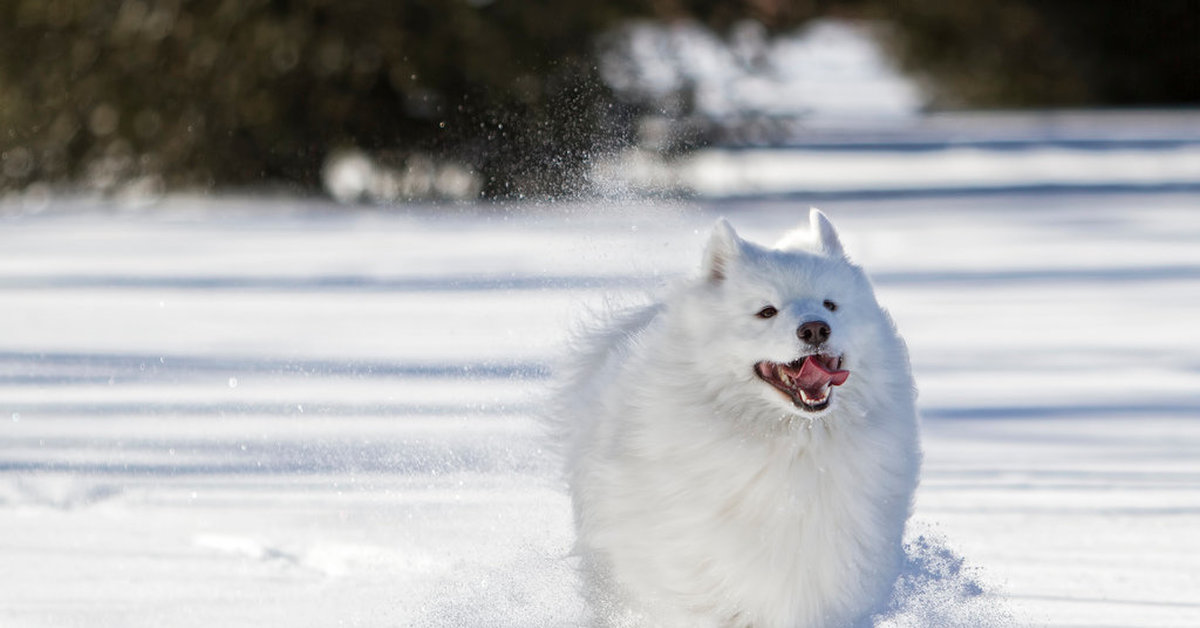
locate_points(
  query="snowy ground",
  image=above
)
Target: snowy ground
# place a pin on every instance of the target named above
(932, 154)
(265, 413)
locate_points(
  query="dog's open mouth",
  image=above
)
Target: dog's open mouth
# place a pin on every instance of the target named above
(808, 382)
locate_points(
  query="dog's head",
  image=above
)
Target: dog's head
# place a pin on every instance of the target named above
(794, 326)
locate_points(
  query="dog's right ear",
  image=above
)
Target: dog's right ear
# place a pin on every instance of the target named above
(724, 247)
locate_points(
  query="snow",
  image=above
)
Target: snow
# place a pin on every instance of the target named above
(247, 412)
(830, 69)
(944, 153)
(718, 173)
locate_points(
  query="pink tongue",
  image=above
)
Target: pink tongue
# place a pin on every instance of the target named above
(813, 376)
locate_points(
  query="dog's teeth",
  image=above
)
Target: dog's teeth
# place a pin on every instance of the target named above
(814, 400)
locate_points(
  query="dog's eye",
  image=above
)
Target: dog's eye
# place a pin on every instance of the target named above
(830, 305)
(767, 312)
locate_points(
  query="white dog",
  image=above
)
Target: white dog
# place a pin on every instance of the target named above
(744, 452)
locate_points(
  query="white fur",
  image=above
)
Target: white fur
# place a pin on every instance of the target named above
(703, 496)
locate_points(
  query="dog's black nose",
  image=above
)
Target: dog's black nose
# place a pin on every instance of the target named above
(813, 332)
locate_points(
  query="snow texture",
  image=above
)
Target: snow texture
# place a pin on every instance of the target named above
(937, 154)
(251, 412)
(830, 69)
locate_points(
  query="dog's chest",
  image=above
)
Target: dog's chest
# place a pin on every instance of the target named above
(776, 526)
(789, 496)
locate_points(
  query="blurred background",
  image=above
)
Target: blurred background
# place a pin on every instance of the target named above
(284, 285)
(383, 102)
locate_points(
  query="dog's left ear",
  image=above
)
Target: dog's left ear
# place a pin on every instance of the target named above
(724, 247)
(824, 234)
(819, 237)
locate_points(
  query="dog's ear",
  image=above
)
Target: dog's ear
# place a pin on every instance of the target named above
(818, 237)
(823, 234)
(724, 247)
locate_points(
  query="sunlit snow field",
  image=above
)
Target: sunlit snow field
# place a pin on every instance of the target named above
(232, 412)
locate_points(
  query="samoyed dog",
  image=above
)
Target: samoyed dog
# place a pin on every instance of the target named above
(744, 452)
